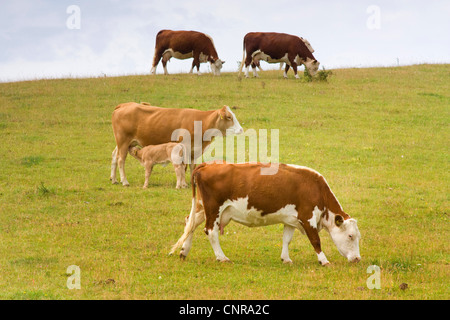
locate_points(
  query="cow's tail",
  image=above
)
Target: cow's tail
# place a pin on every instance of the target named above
(243, 60)
(190, 223)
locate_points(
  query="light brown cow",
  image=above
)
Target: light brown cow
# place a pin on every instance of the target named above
(295, 196)
(142, 124)
(184, 45)
(172, 152)
(277, 47)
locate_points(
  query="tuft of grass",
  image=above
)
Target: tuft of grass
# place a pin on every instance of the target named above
(43, 191)
(322, 75)
(31, 161)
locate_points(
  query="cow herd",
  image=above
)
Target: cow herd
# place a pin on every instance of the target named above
(223, 192)
(258, 46)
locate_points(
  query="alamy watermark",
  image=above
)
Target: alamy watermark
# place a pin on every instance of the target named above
(74, 280)
(374, 280)
(374, 20)
(258, 147)
(74, 20)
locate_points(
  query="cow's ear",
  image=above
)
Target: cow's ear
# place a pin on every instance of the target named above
(223, 112)
(338, 220)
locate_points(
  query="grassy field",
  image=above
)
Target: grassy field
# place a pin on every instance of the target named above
(380, 136)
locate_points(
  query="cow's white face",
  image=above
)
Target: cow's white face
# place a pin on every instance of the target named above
(216, 66)
(346, 236)
(228, 123)
(312, 66)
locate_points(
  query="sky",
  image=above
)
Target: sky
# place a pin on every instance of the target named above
(90, 38)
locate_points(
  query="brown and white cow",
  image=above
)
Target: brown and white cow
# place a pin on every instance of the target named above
(277, 47)
(238, 192)
(184, 45)
(143, 125)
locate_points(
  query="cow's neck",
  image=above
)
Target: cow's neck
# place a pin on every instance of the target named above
(210, 121)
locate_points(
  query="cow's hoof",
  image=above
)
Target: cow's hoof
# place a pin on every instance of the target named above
(224, 260)
(114, 182)
(182, 257)
(324, 264)
(126, 184)
(285, 261)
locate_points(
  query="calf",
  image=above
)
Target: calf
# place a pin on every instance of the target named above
(295, 196)
(185, 45)
(277, 47)
(162, 154)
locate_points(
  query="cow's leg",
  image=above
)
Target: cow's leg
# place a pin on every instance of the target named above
(294, 67)
(199, 217)
(122, 155)
(156, 58)
(148, 171)
(286, 69)
(287, 237)
(213, 235)
(246, 71)
(180, 171)
(255, 74)
(164, 63)
(196, 62)
(114, 166)
(248, 61)
(213, 226)
(183, 177)
(313, 236)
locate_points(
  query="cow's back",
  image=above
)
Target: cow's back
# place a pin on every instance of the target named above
(276, 45)
(150, 125)
(269, 193)
(183, 41)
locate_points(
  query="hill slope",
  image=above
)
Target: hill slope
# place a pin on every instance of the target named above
(380, 137)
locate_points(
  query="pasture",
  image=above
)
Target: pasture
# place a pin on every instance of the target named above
(380, 137)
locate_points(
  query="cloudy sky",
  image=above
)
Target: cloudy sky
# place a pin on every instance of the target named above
(59, 38)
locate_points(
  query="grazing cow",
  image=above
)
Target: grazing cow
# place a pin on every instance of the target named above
(143, 125)
(277, 47)
(162, 154)
(184, 45)
(225, 192)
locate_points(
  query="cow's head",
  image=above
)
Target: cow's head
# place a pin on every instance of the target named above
(227, 121)
(216, 66)
(346, 236)
(312, 65)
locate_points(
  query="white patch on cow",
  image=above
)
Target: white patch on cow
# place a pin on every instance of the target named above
(307, 44)
(260, 55)
(236, 127)
(210, 38)
(303, 168)
(203, 57)
(346, 237)
(311, 65)
(177, 55)
(313, 222)
(237, 210)
(322, 258)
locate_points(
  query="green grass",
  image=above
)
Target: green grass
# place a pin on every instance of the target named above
(380, 136)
